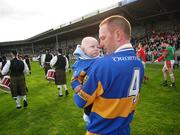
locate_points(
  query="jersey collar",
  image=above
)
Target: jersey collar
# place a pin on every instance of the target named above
(124, 47)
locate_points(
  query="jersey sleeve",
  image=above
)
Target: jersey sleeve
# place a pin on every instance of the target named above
(78, 75)
(91, 89)
(77, 79)
(80, 68)
(163, 56)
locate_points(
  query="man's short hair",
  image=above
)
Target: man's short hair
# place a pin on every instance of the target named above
(118, 21)
(60, 50)
(26, 56)
(47, 50)
(166, 41)
(142, 44)
(14, 52)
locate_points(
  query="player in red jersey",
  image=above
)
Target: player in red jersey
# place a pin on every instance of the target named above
(141, 54)
(168, 56)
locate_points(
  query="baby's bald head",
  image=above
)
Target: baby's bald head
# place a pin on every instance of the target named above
(88, 41)
(90, 46)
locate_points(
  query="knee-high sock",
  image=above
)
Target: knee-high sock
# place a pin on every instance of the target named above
(65, 86)
(60, 89)
(24, 97)
(172, 77)
(17, 99)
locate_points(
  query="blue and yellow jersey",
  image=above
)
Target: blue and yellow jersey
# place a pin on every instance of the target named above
(80, 68)
(112, 85)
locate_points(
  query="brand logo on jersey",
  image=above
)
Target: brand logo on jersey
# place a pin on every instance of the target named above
(125, 58)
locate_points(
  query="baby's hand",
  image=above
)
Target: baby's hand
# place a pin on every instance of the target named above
(78, 88)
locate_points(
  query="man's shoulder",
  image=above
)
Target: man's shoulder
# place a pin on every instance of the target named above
(61, 57)
(103, 62)
(169, 47)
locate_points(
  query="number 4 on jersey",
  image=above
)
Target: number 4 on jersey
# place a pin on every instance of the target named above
(134, 86)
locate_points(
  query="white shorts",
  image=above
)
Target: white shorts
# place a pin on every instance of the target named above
(168, 64)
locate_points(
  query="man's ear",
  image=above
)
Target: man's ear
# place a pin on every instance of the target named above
(118, 35)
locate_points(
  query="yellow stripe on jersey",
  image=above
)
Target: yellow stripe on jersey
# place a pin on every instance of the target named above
(79, 78)
(90, 98)
(113, 108)
(89, 133)
(83, 73)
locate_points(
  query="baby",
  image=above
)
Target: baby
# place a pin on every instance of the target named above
(85, 54)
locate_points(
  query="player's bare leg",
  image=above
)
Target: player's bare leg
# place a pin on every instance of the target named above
(171, 74)
(164, 77)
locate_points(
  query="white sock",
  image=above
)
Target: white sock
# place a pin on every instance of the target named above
(24, 97)
(18, 101)
(172, 77)
(60, 89)
(65, 87)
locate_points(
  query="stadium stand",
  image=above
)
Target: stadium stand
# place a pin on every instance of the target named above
(152, 23)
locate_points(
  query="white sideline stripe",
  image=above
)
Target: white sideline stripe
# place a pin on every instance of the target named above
(161, 69)
(5, 91)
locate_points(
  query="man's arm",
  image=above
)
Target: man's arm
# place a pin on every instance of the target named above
(67, 63)
(6, 67)
(163, 56)
(26, 69)
(91, 89)
(53, 61)
(85, 96)
(43, 56)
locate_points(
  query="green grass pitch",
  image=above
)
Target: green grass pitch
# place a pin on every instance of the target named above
(158, 111)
